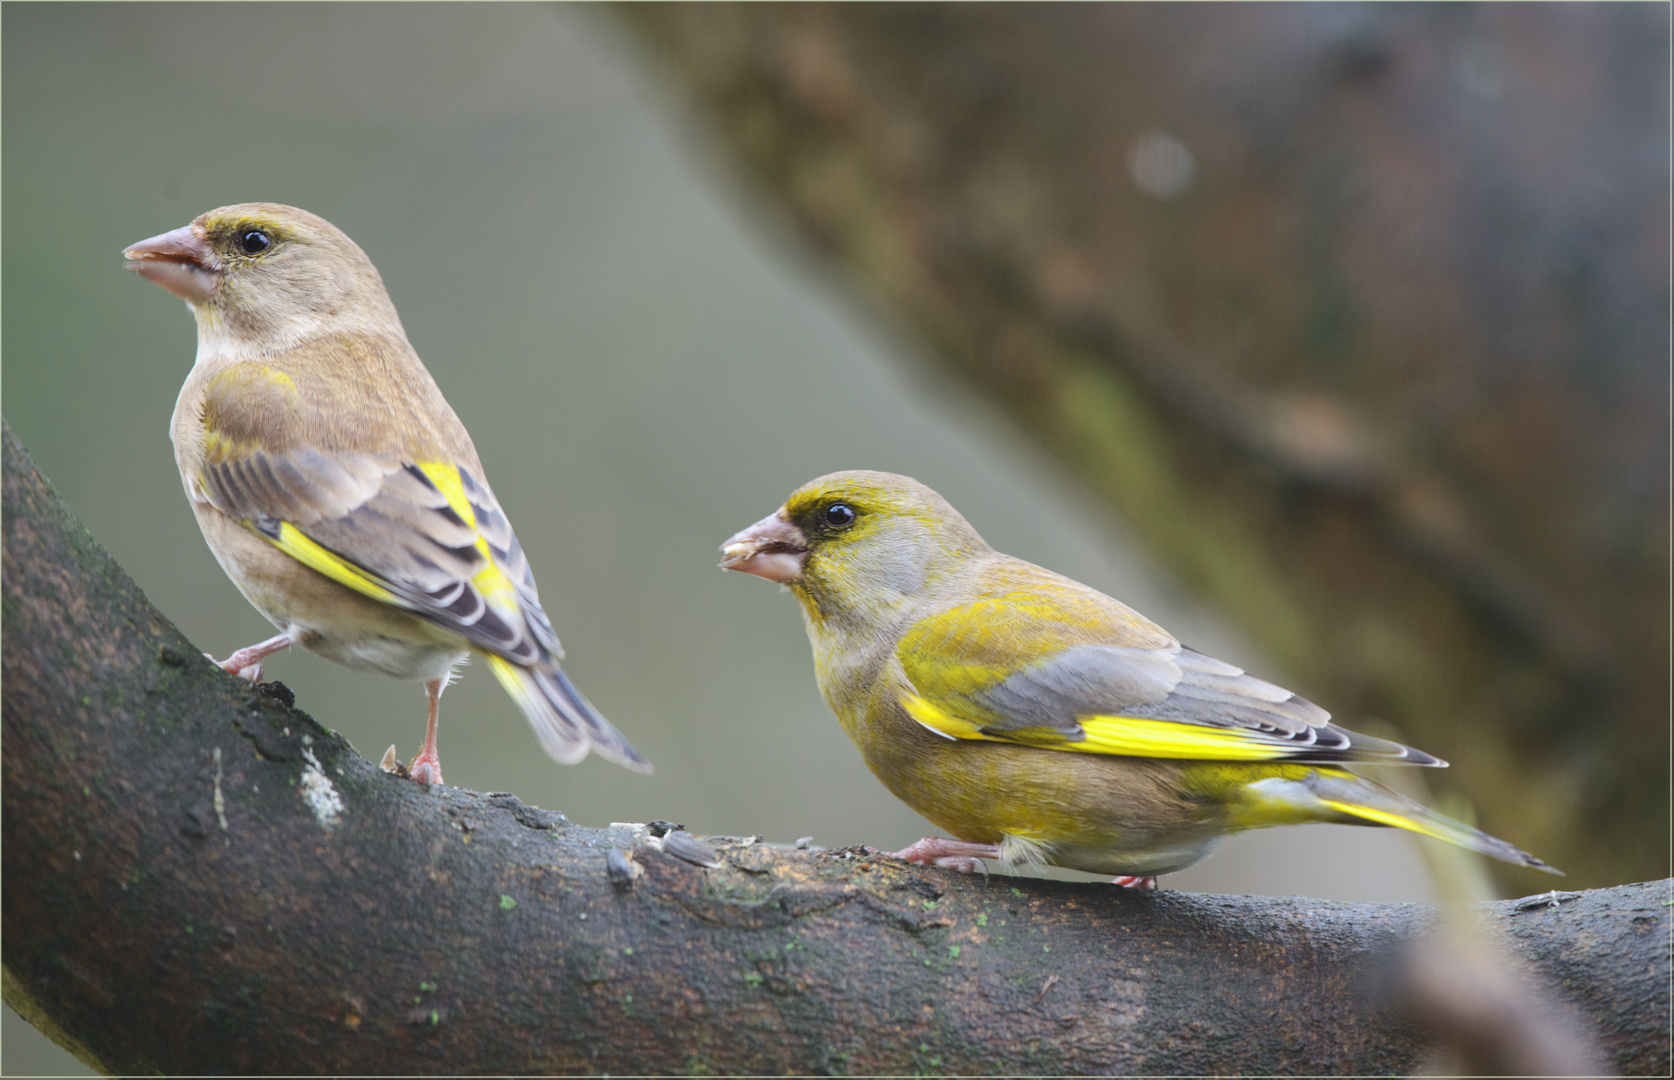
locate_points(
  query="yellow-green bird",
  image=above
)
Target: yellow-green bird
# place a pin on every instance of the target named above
(1038, 720)
(337, 488)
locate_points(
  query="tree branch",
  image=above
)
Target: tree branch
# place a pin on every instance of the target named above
(202, 879)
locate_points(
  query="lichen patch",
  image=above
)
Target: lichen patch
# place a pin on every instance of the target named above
(318, 793)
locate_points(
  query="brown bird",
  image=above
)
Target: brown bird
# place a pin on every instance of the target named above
(336, 486)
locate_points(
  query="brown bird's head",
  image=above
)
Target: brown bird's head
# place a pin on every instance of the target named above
(856, 545)
(262, 277)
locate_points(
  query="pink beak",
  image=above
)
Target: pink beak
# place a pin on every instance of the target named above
(180, 261)
(772, 548)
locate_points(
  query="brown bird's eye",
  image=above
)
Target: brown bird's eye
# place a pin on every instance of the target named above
(839, 515)
(254, 242)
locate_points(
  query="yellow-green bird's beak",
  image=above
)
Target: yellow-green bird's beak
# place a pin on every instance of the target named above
(772, 548)
(180, 261)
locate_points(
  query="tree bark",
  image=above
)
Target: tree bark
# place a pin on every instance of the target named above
(200, 878)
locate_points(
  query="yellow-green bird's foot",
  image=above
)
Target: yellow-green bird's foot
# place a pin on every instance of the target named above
(960, 855)
(1147, 883)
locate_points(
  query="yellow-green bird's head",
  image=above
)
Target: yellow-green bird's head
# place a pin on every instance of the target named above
(856, 546)
(264, 277)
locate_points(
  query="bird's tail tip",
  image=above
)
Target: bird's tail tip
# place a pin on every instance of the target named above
(1359, 798)
(566, 723)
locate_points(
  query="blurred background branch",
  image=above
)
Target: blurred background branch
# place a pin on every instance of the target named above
(1357, 312)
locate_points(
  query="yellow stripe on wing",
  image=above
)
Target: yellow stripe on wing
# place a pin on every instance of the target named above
(1120, 736)
(497, 589)
(305, 551)
(1133, 737)
(940, 721)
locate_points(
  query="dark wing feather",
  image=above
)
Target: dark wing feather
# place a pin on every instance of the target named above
(1183, 686)
(390, 520)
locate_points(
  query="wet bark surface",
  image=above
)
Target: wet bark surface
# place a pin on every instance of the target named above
(200, 878)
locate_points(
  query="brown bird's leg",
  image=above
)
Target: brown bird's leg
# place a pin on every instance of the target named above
(1135, 882)
(960, 855)
(247, 662)
(427, 767)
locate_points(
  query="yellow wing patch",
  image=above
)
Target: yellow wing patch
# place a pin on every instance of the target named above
(1119, 736)
(1134, 737)
(939, 721)
(497, 589)
(230, 401)
(305, 551)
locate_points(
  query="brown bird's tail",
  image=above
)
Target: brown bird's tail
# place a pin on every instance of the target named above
(565, 722)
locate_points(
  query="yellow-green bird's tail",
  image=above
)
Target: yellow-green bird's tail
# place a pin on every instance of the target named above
(1291, 794)
(565, 722)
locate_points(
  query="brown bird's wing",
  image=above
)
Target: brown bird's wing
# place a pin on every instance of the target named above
(416, 527)
(423, 532)
(1044, 661)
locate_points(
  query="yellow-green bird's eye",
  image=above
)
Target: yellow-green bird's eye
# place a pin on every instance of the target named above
(839, 515)
(254, 241)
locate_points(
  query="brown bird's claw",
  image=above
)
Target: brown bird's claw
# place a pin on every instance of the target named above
(426, 768)
(246, 663)
(250, 672)
(1148, 883)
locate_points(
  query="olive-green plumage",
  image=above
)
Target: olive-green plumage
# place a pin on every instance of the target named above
(1017, 708)
(336, 486)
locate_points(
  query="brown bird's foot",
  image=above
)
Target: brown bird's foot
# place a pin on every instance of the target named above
(426, 768)
(1147, 883)
(960, 855)
(251, 673)
(247, 662)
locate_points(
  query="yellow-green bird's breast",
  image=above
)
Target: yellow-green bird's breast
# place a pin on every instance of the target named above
(984, 791)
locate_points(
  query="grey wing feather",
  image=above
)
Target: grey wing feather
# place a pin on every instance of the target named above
(389, 519)
(1180, 685)
(386, 517)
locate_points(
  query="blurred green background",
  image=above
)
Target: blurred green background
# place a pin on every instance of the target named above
(646, 357)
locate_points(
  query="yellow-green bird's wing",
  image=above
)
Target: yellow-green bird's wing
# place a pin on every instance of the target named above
(1044, 661)
(420, 531)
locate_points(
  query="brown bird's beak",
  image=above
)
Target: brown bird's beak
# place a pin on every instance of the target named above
(772, 548)
(180, 261)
